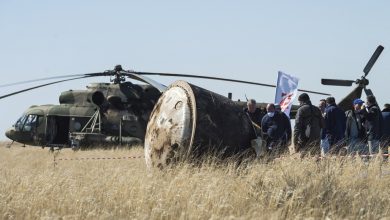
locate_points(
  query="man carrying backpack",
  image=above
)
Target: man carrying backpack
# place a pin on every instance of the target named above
(308, 124)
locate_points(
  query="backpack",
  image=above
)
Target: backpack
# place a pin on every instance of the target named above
(309, 125)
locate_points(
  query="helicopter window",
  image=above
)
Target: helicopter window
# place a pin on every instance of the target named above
(20, 122)
(26, 122)
(77, 126)
(30, 122)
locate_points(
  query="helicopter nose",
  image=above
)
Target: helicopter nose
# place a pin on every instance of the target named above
(10, 133)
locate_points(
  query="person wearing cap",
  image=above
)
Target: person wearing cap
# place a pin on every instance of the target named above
(355, 132)
(276, 130)
(373, 124)
(308, 124)
(334, 124)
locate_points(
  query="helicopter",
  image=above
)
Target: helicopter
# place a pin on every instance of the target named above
(95, 115)
(104, 114)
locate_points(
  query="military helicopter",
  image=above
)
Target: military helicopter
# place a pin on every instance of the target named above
(104, 114)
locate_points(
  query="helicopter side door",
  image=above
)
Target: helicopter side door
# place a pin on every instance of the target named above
(57, 130)
(59, 127)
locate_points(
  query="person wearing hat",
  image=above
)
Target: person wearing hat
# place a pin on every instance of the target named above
(355, 132)
(308, 124)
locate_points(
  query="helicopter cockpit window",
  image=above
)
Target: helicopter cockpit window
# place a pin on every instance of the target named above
(20, 122)
(26, 122)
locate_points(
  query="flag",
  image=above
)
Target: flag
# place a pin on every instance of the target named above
(286, 90)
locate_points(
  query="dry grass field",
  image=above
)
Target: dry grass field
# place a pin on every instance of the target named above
(31, 187)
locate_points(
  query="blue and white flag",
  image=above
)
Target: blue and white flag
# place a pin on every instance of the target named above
(286, 91)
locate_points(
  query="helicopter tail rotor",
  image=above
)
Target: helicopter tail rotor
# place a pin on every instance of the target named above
(361, 83)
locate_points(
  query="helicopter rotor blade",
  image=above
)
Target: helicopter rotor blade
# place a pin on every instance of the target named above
(204, 77)
(337, 82)
(373, 59)
(42, 85)
(221, 79)
(50, 78)
(145, 79)
(368, 92)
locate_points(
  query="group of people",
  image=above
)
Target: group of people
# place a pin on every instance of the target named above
(272, 125)
(325, 128)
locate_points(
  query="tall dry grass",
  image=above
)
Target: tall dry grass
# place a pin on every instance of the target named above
(32, 188)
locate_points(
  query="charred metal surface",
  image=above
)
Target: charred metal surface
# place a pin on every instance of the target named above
(192, 120)
(170, 125)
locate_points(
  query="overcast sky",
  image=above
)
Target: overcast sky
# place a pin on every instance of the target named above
(247, 40)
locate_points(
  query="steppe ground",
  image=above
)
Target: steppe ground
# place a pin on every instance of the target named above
(32, 186)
